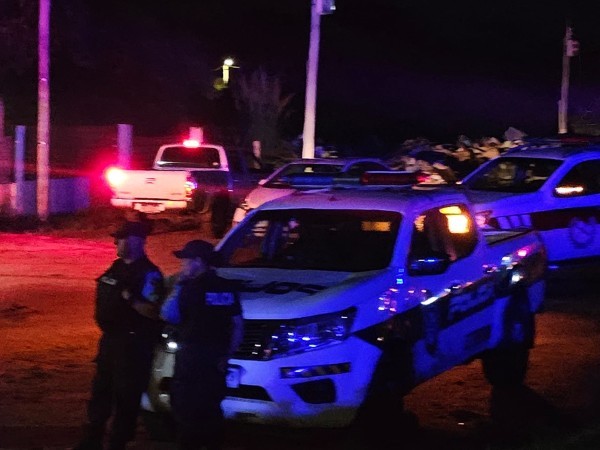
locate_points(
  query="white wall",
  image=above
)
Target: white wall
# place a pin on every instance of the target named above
(66, 195)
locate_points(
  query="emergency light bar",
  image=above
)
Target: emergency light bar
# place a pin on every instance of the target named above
(310, 180)
(370, 178)
(389, 178)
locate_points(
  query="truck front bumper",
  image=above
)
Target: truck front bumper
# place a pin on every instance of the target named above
(322, 388)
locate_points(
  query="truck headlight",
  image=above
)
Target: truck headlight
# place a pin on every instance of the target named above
(309, 334)
(169, 340)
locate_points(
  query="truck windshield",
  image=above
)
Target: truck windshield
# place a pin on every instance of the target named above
(184, 157)
(307, 239)
(515, 175)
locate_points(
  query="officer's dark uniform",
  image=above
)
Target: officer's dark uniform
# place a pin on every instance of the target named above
(206, 305)
(125, 349)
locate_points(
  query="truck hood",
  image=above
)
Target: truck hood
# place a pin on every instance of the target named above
(501, 201)
(287, 294)
(261, 195)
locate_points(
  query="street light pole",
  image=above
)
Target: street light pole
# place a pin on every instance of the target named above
(318, 8)
(312, 66)
(43, 124)
(570, 49)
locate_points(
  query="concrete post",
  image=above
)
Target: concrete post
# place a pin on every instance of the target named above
(256, 154)
(5, 156)
(124, 145)
(197, 134)
(20, 133)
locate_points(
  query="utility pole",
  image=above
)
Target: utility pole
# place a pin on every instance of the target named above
(43, 124)
(318, 8)
(570, 49)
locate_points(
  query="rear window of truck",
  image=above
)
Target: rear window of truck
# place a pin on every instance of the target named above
(190, 157)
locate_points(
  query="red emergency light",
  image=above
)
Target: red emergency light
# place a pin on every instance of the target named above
(191, 143)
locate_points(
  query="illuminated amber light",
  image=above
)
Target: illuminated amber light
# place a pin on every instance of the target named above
(375, 226)
(569, 190)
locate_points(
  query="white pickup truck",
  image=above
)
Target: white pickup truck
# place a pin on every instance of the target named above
(353, 296)
(186, 176)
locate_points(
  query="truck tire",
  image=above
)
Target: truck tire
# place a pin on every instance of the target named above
(159, 426)
(506, 365)
(220, 220)
(201, 201)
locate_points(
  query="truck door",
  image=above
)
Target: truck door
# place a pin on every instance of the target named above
(445, 271)
(570, 227)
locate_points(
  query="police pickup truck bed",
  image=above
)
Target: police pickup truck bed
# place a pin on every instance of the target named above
(352, 297)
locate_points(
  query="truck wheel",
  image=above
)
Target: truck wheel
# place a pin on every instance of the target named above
(160, 426)
(506, 366)
(201, 201)
(219, 220)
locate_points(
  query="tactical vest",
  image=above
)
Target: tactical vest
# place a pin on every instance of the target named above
(114, 314)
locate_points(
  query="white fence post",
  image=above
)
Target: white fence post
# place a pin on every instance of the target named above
(124, 145)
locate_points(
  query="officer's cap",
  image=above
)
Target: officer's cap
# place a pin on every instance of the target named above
(196, 249)
(131, 229)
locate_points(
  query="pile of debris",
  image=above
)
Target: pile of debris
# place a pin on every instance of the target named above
(447, 163)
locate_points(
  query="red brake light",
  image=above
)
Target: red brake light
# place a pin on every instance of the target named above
(191, 143)
(115, 176)
(422, 177)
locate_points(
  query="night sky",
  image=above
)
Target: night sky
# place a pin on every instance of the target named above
(389, 70)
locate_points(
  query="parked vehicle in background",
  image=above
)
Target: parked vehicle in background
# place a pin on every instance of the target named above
(353, 296)
(189, 176)
(551, 188)
(304, 174)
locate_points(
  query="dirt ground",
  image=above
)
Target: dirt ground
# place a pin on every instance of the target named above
(48, 340)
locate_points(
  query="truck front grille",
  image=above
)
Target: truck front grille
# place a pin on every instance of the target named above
(257, 335)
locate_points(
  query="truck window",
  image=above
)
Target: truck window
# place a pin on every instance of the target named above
(586, 175)
(448, 231)
(512, 174)
(340, 240)
(198, 157)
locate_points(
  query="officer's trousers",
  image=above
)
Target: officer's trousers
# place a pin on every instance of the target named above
(197, 391)
(123, 368)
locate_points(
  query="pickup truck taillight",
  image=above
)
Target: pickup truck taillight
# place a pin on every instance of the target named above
(114, 176)
(190, 186)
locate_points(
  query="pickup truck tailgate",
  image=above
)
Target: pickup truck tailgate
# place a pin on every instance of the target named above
(147, 185)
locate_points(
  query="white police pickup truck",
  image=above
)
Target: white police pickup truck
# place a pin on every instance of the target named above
(353, 296)
(551, 188)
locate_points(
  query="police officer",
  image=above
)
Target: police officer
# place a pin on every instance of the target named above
(128, 299)
(207, 312)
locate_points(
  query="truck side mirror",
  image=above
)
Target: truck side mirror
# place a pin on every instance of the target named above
(433, 264)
